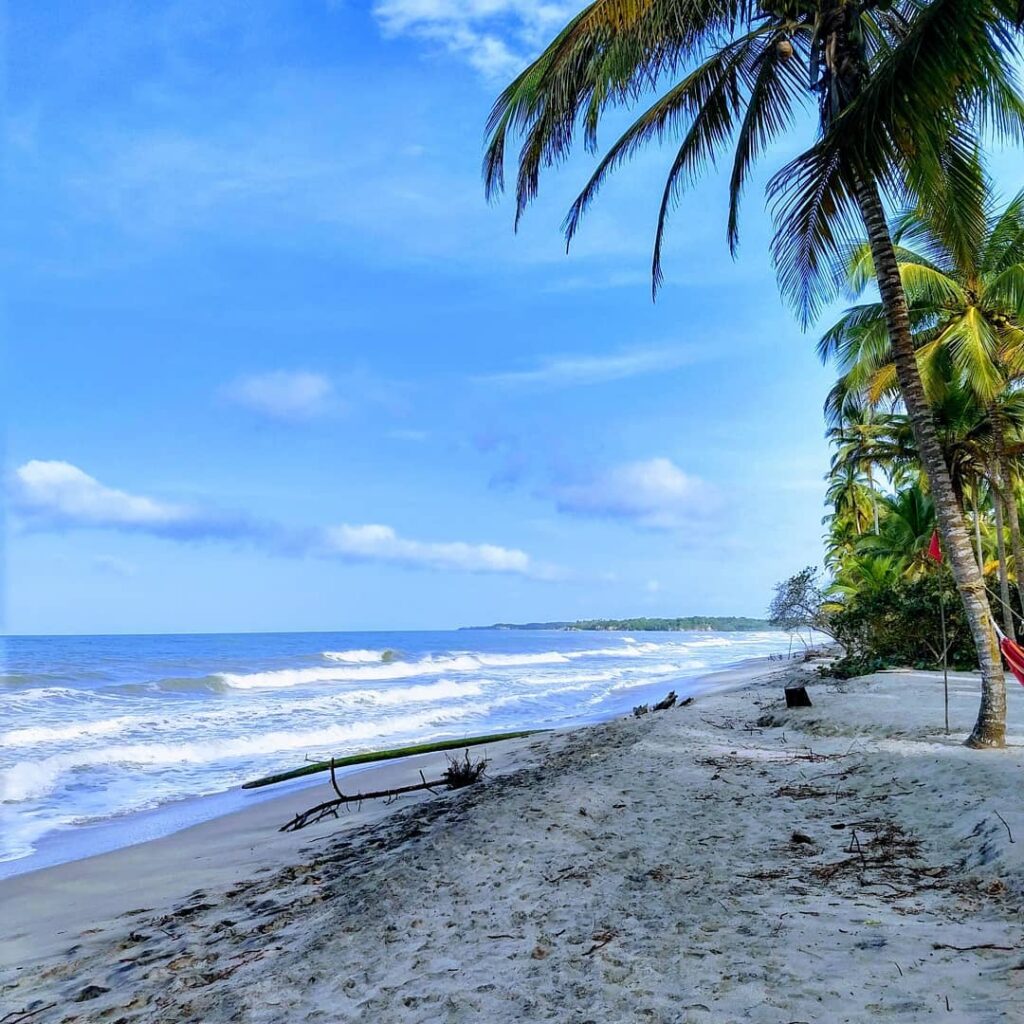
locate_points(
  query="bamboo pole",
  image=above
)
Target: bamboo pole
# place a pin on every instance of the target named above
(369, 757)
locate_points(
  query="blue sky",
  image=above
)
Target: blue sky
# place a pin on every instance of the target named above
(275, 363)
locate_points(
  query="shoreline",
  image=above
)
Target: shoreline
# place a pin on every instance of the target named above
(74, 843)
(221, 848)
(695, 861)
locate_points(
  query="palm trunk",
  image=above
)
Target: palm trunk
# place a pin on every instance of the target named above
(977, 526)
(990, 728)
(1013, 515)
(1004, 580)
(874, 500)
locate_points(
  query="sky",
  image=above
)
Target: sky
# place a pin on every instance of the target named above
(276, 364)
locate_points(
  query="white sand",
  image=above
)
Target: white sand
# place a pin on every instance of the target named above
(638, 870)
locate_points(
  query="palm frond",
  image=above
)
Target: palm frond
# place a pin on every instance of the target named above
(1005, 245)
(706, 98)
(926, 286)
(813, 204)
(838, 341)
(973, 346)
(770, 107)
(1006, 290)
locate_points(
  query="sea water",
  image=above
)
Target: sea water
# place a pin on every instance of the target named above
(103, 739)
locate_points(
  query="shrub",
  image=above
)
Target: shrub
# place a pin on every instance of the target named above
(901, 626)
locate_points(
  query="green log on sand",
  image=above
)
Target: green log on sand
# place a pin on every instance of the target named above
(368, 757)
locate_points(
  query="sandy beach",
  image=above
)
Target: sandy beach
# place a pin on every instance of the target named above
(730, 860)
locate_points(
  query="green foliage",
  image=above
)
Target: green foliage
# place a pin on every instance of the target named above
(902, 89)
(850, 666)
(725, 623)
(901, 625)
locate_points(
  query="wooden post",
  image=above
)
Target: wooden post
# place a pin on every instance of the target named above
(945, 652)
(796, 697)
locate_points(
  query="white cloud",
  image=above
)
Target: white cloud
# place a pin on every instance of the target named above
(50, 494)
(53, 495)
(376, 543)
(496, 37)
(570, 371)
(61, 492)
(287, 395)
(652, 493)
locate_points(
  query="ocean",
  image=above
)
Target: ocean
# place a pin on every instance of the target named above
(109, 740)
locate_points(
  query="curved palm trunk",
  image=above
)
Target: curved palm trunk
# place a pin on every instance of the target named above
(990, 728)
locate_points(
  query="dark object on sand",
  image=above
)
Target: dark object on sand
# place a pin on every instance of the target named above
(796, 697)
(664, 705)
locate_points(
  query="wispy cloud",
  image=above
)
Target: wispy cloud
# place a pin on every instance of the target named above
(111, 565)
(57, 496)
(494, 36)
(572, 371)
(301, 396)
(653, 493)
(378, 543)
(415, 436)
(284, 395)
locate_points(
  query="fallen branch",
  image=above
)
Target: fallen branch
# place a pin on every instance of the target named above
(458, 775)
(20, 1016)
(1007, 827)
(601, 939)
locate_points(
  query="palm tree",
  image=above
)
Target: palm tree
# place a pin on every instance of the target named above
(854, 435)
(852, 497)
(868, 575)
(899, 87)
(906, 529)
(964, 281)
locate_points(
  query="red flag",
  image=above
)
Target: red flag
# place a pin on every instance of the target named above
(934, 551)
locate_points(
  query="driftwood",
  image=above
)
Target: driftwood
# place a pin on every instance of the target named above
(372, 756)
(663, 705)
(458, 774)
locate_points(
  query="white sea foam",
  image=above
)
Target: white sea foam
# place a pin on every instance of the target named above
(145, 734)
(360, 671)
(62, 733)
(446, 689)
(28, 780)
(358, 657)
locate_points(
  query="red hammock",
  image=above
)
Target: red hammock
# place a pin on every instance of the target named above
(1014, 655)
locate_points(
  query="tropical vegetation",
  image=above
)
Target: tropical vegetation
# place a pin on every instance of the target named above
(642, 624)
(903, 92)
(964, 282)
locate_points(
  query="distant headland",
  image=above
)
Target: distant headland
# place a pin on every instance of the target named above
(717, 623)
